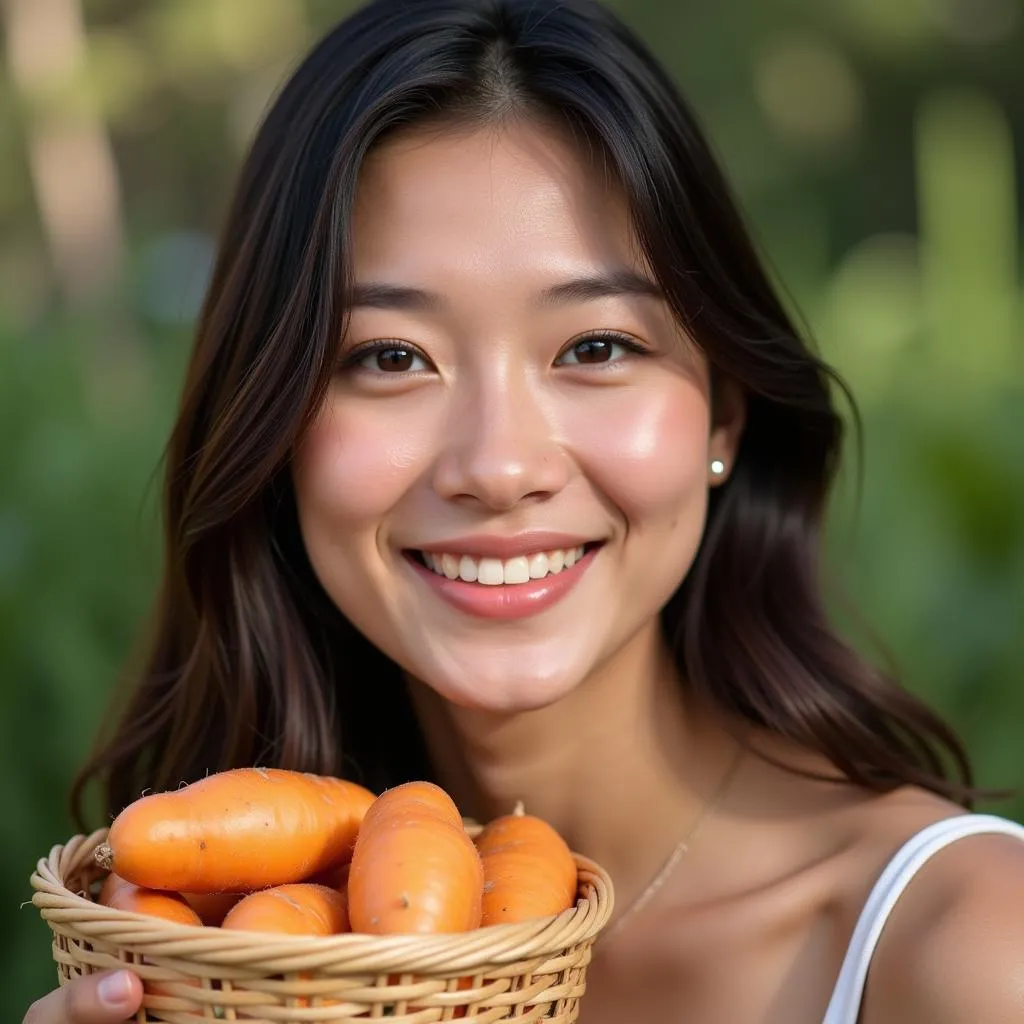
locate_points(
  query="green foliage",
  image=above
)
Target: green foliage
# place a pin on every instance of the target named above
(937, 562)
(889, 211)
(78, 557)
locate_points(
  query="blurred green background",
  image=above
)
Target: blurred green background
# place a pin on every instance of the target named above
(872, 144)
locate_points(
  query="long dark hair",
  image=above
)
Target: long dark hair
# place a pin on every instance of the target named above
(247, 661)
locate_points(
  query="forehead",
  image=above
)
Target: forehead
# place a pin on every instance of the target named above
(520, 197)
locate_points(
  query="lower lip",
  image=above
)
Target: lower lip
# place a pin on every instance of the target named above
(509, 600)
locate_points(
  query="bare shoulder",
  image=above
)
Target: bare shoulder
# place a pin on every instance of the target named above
(953, 949)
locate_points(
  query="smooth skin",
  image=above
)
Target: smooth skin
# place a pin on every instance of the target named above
(503, 405)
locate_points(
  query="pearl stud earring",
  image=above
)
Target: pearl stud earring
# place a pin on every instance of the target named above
(717, 467)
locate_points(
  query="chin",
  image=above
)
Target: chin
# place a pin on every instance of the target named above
(510, 692)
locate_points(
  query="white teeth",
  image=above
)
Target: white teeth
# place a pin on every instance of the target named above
(490, 572)
(494, 572)
(539, 566)
(517, 570)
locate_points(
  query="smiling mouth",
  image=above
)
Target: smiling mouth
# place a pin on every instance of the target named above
(495, 572)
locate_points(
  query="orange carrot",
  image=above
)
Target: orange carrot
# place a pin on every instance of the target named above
(121, 894)
(529, 870)
(422, 796)
(414, 869)
(242, 829)
(300, 909)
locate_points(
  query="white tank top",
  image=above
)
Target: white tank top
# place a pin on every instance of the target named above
(844, 1007)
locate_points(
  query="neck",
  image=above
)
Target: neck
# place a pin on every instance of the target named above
(625, 754)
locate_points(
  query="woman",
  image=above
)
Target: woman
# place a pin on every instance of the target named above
(500, 463)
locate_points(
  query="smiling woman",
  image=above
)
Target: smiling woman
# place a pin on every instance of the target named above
(500, 463)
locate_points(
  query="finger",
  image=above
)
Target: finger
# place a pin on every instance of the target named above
(108, 998)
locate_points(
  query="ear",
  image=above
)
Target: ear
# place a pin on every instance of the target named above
(728, 418)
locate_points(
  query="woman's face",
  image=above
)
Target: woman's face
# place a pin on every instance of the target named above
(509, 476)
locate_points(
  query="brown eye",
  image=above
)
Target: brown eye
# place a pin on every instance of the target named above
(388, 358)
(394, 359)
(599, 348)
(593, 350)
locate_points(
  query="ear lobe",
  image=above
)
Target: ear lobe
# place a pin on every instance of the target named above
(729, 417)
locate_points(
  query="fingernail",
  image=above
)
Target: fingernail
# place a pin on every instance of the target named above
(115, 990)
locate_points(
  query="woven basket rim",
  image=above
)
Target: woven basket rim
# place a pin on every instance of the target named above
(214, 947)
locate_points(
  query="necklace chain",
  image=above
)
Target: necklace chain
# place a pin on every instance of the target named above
(681, 848)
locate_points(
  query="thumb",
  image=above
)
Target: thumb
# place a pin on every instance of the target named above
(107, 998)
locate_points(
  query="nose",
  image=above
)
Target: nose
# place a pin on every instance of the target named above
(501, 449)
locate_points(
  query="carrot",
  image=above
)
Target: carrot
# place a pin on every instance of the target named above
(414, 868)
(529, 870)
(303, 908)
(169, 906)
(242, 829)
(300, 909)
(424, 796)
(121, 894)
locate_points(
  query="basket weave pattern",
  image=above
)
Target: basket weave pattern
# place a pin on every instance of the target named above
(533, 971)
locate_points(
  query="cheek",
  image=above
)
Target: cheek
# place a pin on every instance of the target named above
(352, 468)
(647, 451)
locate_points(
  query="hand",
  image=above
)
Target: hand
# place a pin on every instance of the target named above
(108, 998)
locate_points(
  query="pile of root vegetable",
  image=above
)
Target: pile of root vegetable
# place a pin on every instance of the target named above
(269, 850)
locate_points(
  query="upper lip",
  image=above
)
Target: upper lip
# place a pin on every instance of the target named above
(493, 546)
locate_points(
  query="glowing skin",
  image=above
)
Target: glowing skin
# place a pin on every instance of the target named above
(489, 419)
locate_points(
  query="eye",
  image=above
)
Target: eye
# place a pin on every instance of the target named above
(594, 349)
(387, 357)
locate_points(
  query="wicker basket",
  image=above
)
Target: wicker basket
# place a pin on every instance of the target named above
(532, 971)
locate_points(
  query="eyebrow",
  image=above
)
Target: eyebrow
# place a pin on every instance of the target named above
(607, 284)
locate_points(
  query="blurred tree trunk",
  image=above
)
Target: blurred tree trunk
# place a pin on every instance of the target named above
(70, 155)
(77, 188)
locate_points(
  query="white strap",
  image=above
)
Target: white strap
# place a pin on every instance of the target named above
(844, 1007)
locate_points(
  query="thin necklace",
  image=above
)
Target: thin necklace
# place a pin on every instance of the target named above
(681, 848)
